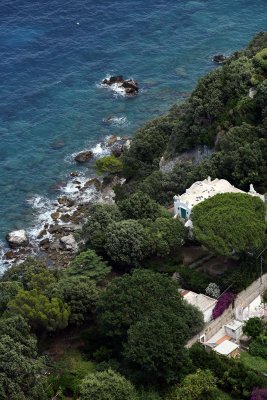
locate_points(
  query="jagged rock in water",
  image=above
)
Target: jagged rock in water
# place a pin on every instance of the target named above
(129, 85)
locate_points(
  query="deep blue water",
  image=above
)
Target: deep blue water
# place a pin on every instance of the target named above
(53, 53)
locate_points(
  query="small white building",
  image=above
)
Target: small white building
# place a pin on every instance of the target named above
(203, 190)
(234, 329)
(204, 303)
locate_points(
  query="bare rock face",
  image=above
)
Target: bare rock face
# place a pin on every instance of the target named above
(119, 144)
(17, 239)
(68, 243)
(84, 156)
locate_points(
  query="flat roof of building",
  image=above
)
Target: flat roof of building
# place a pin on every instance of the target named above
(234, 325)
(226, 347)
(199, 300)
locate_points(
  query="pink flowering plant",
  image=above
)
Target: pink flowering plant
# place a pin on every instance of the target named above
(223, 303)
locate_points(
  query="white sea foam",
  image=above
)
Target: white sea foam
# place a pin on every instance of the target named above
(101, 149)
(43, 207)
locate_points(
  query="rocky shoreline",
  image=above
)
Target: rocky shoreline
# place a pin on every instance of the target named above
(56, 241)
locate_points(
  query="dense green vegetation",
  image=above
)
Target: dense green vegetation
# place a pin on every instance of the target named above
(230, 224)
(113, 325)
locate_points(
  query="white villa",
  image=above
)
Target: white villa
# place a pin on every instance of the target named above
(204, 303)
(203, 190)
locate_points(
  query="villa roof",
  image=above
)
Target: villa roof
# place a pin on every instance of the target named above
(202, 190)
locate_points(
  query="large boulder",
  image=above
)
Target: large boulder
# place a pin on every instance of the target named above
(68, 243)
(84, 156)
(17, 239)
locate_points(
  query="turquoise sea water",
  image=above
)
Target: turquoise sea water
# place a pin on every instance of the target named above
(53, 55)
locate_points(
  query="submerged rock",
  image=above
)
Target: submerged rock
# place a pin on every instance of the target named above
(17, 239)
(74, 174)
(84, 156)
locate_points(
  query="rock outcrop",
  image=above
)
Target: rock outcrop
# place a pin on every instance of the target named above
(68, 243)
(118, 145)
(84, 156)
(129, 85)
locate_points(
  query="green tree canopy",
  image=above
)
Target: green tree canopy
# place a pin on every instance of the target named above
(19, 330)
(197, 386)
(40, 311)
(90, 265)
(8, 290)
(42, 280)
(127, 242)
(21, 371)
(100, 216)
(106, 385)
(79, 293)
(139, 206)
(155, 346)
(230, 224)
(167, 235)
(253, 327)
(129, 298)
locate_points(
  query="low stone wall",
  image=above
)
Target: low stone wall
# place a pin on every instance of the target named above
(243, 299)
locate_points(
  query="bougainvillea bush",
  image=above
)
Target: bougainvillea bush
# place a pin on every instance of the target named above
(223, 303)
(259, 394)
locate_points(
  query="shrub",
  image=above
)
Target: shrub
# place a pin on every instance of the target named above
(213, 290)
(109, 164)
